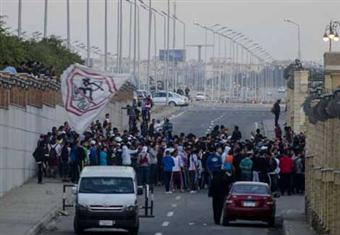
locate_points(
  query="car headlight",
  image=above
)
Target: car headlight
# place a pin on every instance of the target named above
(82, 207)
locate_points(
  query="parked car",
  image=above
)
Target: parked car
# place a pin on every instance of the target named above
(106, 197)
(249, 201)
(159, 98)
(200, 97)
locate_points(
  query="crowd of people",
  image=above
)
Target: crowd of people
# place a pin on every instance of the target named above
(183, 162)
(34, 68)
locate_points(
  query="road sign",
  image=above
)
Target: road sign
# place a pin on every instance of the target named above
(174, 55)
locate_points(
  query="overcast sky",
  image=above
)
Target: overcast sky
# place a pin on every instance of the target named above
(260, 20)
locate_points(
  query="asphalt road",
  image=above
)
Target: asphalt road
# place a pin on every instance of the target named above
(175, 214)
(201, 119)
(184, 213)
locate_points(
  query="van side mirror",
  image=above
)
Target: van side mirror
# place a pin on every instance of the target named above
(140, 191)
(74, 189)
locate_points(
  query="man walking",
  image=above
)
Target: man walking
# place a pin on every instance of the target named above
(276, 110)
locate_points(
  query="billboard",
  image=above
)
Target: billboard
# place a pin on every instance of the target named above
(176, 55)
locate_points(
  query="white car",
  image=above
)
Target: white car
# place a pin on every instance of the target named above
(106, 197)
(159, 98)
(200, 97)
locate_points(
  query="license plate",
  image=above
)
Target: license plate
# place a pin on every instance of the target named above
(249, 204)
(106, 222)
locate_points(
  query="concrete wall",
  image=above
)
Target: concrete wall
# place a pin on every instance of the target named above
(19, 131)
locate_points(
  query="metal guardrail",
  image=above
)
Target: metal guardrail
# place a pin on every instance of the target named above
(148, 203)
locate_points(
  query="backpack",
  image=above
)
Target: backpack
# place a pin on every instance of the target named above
(144, 159)
(272, 165)
(53, 157)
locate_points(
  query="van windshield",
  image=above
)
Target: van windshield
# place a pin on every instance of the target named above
(106, 185)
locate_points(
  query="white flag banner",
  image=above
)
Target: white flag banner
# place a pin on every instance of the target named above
(86, 92)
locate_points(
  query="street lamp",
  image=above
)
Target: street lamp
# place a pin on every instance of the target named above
(299, 35)
(331, 33)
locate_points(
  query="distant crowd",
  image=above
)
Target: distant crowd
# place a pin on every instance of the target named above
(183, 162)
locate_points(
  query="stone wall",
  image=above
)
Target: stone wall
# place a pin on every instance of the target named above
(28, 108)
(296, 97)
(323, 162)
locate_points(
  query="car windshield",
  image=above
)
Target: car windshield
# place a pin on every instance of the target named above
(106, 185)
(249, 189)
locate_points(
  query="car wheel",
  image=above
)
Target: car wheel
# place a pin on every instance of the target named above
(172, 104)
(271, 222)
(78, 229)
(225, 219)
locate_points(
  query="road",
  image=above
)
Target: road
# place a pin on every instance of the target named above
(200, 120)
(184, 213)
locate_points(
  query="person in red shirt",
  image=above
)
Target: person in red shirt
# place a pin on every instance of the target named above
(286, 169)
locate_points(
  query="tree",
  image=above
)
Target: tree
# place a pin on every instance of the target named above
(50, 52)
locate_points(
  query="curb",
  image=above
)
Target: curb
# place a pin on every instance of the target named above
(37, 228)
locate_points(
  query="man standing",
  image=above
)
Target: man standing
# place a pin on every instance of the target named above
(276, 110)
(219, 188)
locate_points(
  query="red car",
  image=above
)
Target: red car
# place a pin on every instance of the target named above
(249, 201)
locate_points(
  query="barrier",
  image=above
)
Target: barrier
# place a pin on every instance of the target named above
(148, 198)
(66, 199)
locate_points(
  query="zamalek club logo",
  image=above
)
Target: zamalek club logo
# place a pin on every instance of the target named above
(87, 91)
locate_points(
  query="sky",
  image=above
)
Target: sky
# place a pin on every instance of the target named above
(260, 20)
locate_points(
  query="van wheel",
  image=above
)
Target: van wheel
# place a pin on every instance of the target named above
(172, 104)
(76, 227)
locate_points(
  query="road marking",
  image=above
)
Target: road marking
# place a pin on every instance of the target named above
(158, 233)
(178, 197)
(170, 214)
(165, 224)
(204, 224)
(191, 223)
(174, 205)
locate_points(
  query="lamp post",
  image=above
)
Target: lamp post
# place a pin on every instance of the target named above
(45, 18)
(105, 36)
(19, 18)
(68, 30)
(331, 33)
(88, 32)
(299, 35)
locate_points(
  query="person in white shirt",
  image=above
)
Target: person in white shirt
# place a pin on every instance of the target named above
(126, 155)
(193, 170)
(177, 178)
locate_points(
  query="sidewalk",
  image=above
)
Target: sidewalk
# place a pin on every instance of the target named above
(27, 209)
(292, 211)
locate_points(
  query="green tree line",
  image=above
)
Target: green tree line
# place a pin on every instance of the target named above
(50, 52)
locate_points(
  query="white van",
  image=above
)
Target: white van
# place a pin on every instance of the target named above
(106, 197)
